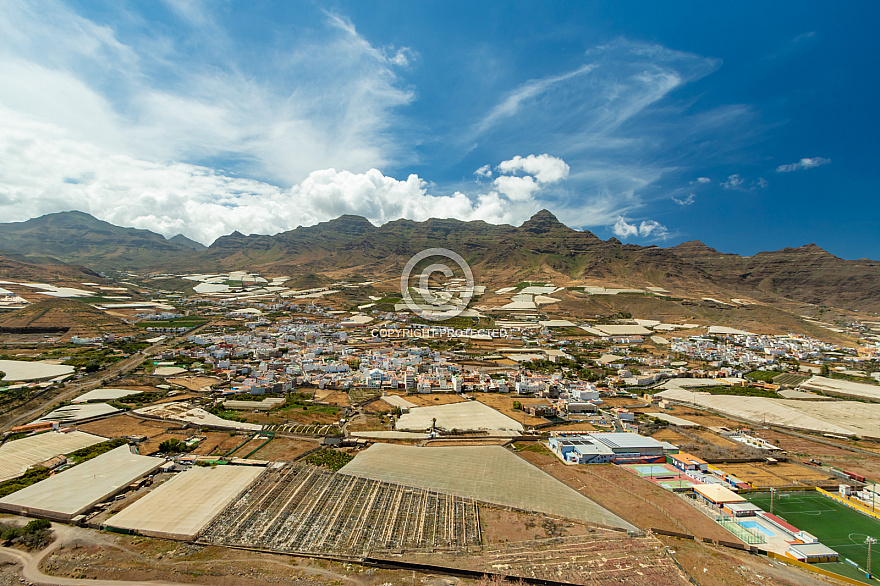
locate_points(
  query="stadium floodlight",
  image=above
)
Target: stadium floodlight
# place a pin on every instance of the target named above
(869, 541)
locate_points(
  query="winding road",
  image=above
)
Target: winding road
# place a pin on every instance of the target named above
(66, 536)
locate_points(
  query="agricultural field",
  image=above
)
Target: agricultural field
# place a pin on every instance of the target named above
(762, 475)
(195, 383)
(284, 449)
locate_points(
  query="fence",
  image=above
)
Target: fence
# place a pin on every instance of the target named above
(849, 503)
(812, 568)
(742, 532)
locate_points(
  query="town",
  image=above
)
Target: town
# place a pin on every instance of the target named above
(253, 389)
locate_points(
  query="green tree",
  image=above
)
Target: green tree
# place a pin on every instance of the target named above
(172, 446)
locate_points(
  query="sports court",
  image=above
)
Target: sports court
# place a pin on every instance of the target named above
(663, 475)
(835, 525)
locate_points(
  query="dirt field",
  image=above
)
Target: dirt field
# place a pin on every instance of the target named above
(195, 383)
(801, 446)
(623, 402)
(218, 443)
(124, 425)
(584, 426)
(860, 463)
(333, 397)
(501, 526)
(704, 419)
(761, 475)
(128, 558)
(284, 449)
(369, 422)
(640, 502)
(715, 439)
(721, 566)
(671, 436)
(430, 399)
(504, 403)
(157, 432)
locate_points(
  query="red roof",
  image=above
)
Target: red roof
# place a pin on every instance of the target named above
(781, 522)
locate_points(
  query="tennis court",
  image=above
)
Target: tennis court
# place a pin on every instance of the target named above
(835, 525)
(663, 470)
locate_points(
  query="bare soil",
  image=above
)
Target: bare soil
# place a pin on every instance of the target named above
(284, 449)
(639, 501)
(712, 565)
(502, 526)
(504, 404)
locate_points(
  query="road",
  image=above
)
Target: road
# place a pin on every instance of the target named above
(30, 563)
(69, 536)
(94, 381)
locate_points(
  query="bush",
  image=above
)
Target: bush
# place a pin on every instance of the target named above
(332, 459)
(83, 454)
(172, 446)
(30, 477)
(35, 535)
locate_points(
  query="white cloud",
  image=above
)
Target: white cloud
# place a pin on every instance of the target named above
(703, 180)
(686, 201)
(545, 168)
(512, 104)
(803, 164)
(734, 182)
(309, 104)
(517, 188)
(615, 120)
(484, 171)
(45, 170)
(648, 228)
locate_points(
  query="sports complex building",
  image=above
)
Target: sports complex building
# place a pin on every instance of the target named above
(602, 448)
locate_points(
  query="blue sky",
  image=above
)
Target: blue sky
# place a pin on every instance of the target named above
(749, 126)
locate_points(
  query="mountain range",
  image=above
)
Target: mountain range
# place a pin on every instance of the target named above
(542, 248)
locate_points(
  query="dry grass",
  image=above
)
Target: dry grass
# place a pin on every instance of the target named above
(430, 399)
(195, 383)
(635, 499)
(504, 404)
(284, 449)
(502, 526)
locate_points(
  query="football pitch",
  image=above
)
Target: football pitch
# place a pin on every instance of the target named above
(835, 525)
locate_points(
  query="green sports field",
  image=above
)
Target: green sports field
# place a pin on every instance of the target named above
(835, 525)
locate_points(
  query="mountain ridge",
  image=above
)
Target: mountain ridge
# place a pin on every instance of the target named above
(542, 247)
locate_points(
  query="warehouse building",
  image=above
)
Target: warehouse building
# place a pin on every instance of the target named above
(581, 449)
(76, 490)
(601, 448)
(183, 506)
